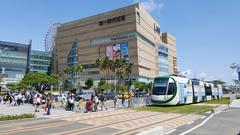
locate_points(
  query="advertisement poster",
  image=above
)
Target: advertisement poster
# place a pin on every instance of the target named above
(124, 52)
(116, 51)
(109, 52)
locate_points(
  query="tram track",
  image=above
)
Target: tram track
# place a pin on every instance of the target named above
(84, 130)
(134, 130)
(31, 128)
(56, 118)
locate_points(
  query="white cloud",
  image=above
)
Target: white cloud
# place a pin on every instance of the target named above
(187, 73)
(203, 75)
(150, 5)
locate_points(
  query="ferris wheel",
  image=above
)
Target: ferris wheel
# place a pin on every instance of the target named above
(50, 37)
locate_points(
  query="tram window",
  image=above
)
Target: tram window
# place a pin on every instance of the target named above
(159, 91)
(208, 90)
(171, 89)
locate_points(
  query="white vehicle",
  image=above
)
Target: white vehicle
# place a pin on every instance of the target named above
(175, 90)
(85, 94)
(62, 97)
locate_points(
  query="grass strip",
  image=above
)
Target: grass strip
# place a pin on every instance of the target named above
(16, 117)
(224, 100)
(182, 109)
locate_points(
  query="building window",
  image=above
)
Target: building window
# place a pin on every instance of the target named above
(120, 37)
(138, 18)
(156, 28)
(72, 58)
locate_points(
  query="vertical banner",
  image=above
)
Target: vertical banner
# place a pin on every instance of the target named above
(109, 52)
(116, 51)
(124, 52)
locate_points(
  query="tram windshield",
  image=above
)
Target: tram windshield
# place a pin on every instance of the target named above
(160, 86)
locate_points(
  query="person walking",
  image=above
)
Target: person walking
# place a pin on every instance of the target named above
(1, 100)
(49, 101)
(129, 99)
(96, 102)
(38, 103)
(80, 103)
(103, 99)
(88, 106)
(115, 101)
(71, 103)
(123, 100)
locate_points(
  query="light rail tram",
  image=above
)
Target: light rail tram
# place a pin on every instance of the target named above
(175, 90)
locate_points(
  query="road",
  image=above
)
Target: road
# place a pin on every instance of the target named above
(224, 123)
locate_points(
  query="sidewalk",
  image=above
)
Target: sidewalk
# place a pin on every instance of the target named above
(235, 104)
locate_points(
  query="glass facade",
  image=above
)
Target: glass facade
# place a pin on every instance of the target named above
(13, 60)
(120, 37)
(72, 58)
(163, 60)
(40, 61)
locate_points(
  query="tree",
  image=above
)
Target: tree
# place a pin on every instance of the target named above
(122, 88)
(39, 81)
(89, 83)
(105, 87)
(72, 73)
(67, 85)
(13, 86)
(139, 85)
(102, 82)
(119, 69)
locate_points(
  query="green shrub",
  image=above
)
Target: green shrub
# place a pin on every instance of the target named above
(16, 117)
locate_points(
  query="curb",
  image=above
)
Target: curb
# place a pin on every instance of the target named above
(220, 108)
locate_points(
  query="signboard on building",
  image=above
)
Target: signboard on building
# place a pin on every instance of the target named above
(117, 51)
(109, 52)
(124, 52)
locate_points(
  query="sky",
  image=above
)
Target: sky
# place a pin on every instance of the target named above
(207, 31)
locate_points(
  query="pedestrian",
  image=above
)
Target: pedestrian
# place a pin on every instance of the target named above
(115, 101)
(38, 103)
(96, 102)
(88, 106)
(103, 99)
(129, 99)
(148, 99)
(80, 103)
(1, 100)
(49, 103)
(123, 100)
(71, 103)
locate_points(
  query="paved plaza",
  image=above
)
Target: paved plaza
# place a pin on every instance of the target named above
(121, 121)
